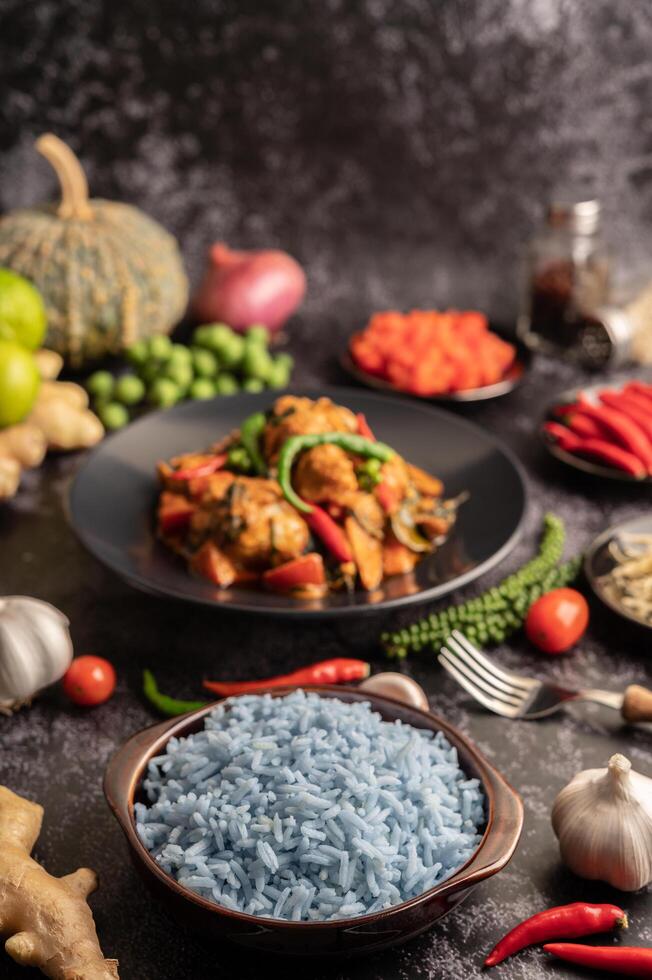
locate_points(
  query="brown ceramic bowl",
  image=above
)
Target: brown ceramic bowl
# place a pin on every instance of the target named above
(122, 786)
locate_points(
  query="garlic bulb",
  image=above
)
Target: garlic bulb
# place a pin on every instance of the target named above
(603, 820)
(35, 648)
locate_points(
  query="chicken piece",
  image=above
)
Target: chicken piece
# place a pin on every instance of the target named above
(253, 525)
(294, 416)
(326, 473)
(397, 558)
(395, 476)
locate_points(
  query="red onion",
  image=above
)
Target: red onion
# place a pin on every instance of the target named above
(243, 288)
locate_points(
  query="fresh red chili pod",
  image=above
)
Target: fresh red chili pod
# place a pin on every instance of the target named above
(622, 429)
(626, 961)
(340, 670)
(560, 922)
(598, 449)
(631, 407)
(584, 427)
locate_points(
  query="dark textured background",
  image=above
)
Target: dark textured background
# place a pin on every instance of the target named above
(403, 151)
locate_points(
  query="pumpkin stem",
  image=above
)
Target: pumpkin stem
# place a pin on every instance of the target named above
(74, 187)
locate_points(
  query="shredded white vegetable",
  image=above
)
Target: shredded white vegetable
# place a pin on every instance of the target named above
(629, 583)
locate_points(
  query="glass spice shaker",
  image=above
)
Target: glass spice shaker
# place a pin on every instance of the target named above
(568, 279)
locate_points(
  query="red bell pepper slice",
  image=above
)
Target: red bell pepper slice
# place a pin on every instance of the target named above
(332, 535)
(204, 469)
(386, 497)
(364, 428)
(306, 570)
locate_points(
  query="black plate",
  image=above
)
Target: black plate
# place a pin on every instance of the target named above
(511, 379)
(598, 562)
(112, 500)
(577, 462)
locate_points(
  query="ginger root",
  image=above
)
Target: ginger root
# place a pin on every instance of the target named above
(47, 919)
(25, 443)
(49, 363)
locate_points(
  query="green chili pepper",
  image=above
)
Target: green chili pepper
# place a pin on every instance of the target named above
(250, 433)
(345, 440)
(163, 703)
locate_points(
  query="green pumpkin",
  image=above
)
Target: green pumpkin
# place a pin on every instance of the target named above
(108, 274)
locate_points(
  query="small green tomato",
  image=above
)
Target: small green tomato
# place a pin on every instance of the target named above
(201, 389)
(180, 373)
(180, 353)
(204, 362)
(231, 354)
(113, 416)
(159, 347)
(257, 334)
(226, 384)
(129, 390)
(164, 393)
(137, 353)
(253, 385)
(100, 384)
(256, 363)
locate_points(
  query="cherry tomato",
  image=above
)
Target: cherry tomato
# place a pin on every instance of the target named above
(89, 680)
(557, 620)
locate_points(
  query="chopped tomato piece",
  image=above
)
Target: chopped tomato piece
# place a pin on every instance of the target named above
(174, 512)
(307, 570)
(213, 564)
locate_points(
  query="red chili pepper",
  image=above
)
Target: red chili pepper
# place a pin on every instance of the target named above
(561, 922)
(583, 426)
(386, 497)
(606, 452)
(621, 429)
(626, 961)
(337, 671)
(632, 407)
(333, 536)
(363, 427)
(645, 391)
(203, 469)
(306, 570)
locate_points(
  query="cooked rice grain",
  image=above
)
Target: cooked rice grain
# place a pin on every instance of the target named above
(306, 808)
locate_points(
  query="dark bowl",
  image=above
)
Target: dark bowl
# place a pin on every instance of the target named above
(122, 786)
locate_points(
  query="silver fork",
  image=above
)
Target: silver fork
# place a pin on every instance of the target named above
(514, 696)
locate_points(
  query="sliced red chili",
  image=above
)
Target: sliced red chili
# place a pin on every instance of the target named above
(203, 469)
(363, 427)
(332, 535)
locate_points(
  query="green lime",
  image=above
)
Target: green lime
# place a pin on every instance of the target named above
(159, 346)
(204, 362)
(180, 373)
(137, 353)
(201, 389)
(164, 392)
(180, 353)
(129, 390)
(113, 416)
(100, 384)
(257, 334)
(22, 312)
(19, 382)
(226, 384)
(253, 385)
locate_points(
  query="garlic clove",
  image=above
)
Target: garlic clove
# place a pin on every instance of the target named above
(603, 820)
(35, 647)
(391, 684)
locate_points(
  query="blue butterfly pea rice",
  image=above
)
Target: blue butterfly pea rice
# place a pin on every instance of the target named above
(306, 808)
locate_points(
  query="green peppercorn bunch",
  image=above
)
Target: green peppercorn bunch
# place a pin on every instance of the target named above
(218, 361)
(494, 615)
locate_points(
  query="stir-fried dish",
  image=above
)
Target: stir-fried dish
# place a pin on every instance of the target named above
(302, 499)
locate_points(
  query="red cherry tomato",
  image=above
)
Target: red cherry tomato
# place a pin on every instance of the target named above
(89, 680)
(557, 620)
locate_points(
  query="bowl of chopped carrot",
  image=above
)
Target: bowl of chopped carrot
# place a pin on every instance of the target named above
(451, 355)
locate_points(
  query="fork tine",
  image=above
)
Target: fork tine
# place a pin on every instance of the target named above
(498, 707)
(485, 678)
(511, 697)
(514, 680)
